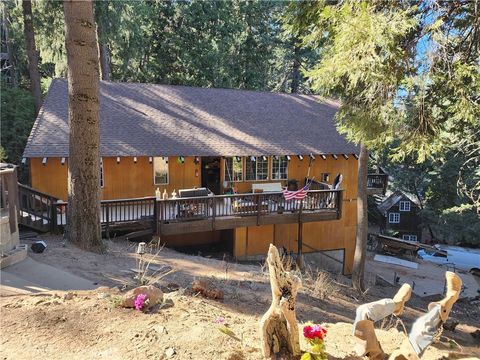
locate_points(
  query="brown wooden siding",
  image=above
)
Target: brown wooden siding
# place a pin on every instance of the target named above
(128, 180)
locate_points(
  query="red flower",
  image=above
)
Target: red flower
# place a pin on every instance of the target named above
(314, 332)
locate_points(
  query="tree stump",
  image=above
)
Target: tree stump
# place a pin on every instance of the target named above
(279, 328)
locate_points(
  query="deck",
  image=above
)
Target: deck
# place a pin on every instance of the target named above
(186, 215)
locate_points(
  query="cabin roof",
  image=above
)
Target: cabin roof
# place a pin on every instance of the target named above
(166, 120)
(393, 199)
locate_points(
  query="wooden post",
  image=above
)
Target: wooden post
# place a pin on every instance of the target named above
(278, 326)
(300, 238)
(107, 220)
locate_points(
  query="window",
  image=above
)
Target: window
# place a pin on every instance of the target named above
(102, 181)
(160, 170)
(409, 237)
(256, 168)
(393, 218)
(279, 168)
(234, 169)
(404, 205)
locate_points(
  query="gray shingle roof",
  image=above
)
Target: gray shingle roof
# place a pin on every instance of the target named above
(165, 120)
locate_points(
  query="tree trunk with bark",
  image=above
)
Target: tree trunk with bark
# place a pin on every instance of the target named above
(358, 272)
(278, 327)
(104, 53)
(32, 55)
(83, 226)
(12, 71)
(296, 71)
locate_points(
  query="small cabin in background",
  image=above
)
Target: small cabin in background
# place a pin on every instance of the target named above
(400, 217)
(244, 146)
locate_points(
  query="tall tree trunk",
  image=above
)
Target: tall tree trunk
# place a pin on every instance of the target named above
(32, 55)
(358, 272)
(104, 53)
(81, 44)
(12, 71)
(104, 61)
(296, 70)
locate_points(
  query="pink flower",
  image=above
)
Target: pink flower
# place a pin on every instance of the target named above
(220, 320)
(314, 332)
(140, 301)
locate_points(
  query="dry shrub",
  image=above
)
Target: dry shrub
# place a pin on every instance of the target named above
(320, 284)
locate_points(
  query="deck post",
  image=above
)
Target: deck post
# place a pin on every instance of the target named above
(339, 204)
(155, 216)
(259, 207)
(214, 212)
(107, 220)
(53, 214)
(300, 237)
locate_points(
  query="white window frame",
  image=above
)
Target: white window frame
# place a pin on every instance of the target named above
(257, 161)
(405, 205)
(165, 160)
(394, 218)
(279, 159)
(409, 237)
(227, 171)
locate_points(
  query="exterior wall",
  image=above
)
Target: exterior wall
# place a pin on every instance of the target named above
(126, 179)
(409, 220)
(325, 235)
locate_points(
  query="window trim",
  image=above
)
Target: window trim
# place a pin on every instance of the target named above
(404, 203)
(168, 170)
(286, 172)
(247, 158)
(242, 179)
(394, 215)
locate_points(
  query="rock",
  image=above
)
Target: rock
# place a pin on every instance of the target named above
(154, 295)
(201, 287)
(170, 352)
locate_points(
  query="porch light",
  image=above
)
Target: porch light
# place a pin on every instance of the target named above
(334, 156)
(118, 159)
(135, 159)
(276, 157)
(300, 157)
(289, 158)
(181, 159)
(63, 161)
(24, 161)
(324, 157)
(239, 158)
(253, 158)
(150, 159)
(345, 156)
(355, 156)
(312, 156)
(44, 161)
(101, 161)
(264, 158)
(197, 159)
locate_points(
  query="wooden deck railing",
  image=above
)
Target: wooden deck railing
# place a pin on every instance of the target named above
(46, 213)
(377, 182)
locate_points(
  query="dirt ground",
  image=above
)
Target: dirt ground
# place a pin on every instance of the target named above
(89, 325)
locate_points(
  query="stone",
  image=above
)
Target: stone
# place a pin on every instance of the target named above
(154, 295)
(170, 352)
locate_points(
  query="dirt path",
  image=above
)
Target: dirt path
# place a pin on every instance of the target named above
(87, 325)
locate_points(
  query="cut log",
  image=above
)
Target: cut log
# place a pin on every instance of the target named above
(278, 327)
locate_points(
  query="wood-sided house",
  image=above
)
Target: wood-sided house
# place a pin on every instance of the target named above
(177, 137)
(400, 217)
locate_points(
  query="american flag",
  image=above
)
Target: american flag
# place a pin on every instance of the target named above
(297, 195)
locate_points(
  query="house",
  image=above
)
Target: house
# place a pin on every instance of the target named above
(401, 217)
(176, 137)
